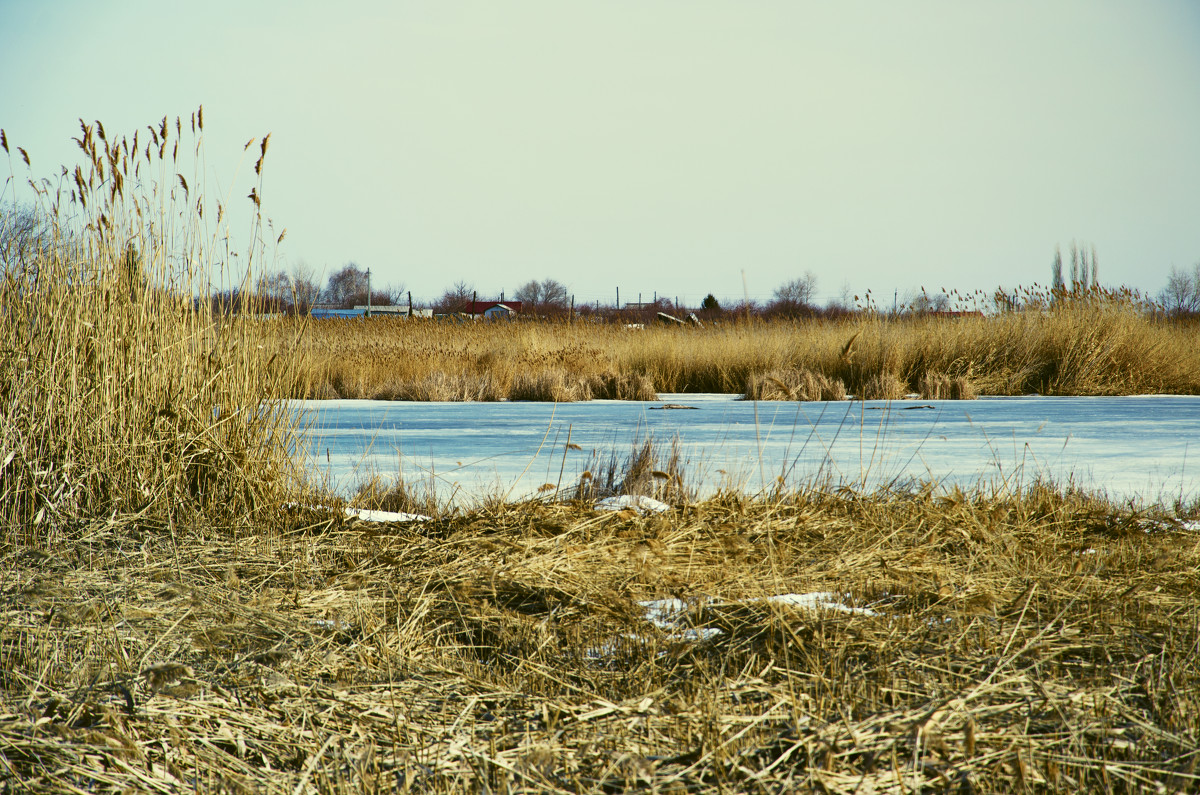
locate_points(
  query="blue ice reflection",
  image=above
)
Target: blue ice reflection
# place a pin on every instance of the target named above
(1126, 446)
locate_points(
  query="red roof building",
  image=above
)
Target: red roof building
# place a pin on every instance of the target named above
(482, 307)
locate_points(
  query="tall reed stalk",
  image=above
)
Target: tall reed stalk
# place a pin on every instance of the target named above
(121, 392)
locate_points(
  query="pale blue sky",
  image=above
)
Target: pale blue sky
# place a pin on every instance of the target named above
(658, 145)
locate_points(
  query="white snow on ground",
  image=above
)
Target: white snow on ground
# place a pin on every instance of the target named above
(386, 516)
(822, 600)
(325, 623)
(665, 613)
(365, 514)
(668, 614)
(639, 504)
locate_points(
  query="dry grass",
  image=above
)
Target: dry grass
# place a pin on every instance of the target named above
(120, 394)
(794, 385)
(939, 386)
(1099, 345)
(505, 650)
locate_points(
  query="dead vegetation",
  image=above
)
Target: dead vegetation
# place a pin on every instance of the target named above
(1045, 643)
(1095, 345)
(120, 392)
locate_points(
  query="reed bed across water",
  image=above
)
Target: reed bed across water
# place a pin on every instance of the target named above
(1101, 346)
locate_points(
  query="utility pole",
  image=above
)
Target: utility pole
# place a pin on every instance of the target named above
(618, 298)
(410, 304)
(368, 292)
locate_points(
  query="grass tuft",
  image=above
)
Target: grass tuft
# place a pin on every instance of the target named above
(122, 394)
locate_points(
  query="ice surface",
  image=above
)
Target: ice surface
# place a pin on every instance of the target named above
(1125, 446)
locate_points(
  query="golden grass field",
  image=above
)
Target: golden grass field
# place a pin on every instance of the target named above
(170, 624)
(1098, 346)
(1041, 643)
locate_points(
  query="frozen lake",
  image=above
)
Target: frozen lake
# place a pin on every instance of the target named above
(1127, 446)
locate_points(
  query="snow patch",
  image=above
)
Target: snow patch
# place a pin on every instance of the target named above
(364, 514)
(669, 614)
(639, 504)
(822, 600)
(386, 516)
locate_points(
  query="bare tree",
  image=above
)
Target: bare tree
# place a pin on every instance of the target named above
(1085, 269)
(793, 299)
(547, 296)
(346, 286)
(1181, 296)
(924, 302)
(1075, 269)
(389, 294)
(1058, 283)
(845, 301)
(305, 287)
(456, 298)
(26, 235)
(275, 291)
(799, 292)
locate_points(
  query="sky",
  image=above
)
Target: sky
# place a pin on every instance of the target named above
(659, 147)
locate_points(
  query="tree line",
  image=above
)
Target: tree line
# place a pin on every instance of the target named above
(26, 236)
(794, 299)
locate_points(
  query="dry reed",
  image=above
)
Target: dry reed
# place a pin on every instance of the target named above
(506, 650)
(1107, 345)
(122, 393)
(794, 385)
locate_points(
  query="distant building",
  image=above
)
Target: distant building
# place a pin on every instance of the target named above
(494, 309)
(324, 312)
(396, 311)
(952, 314)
